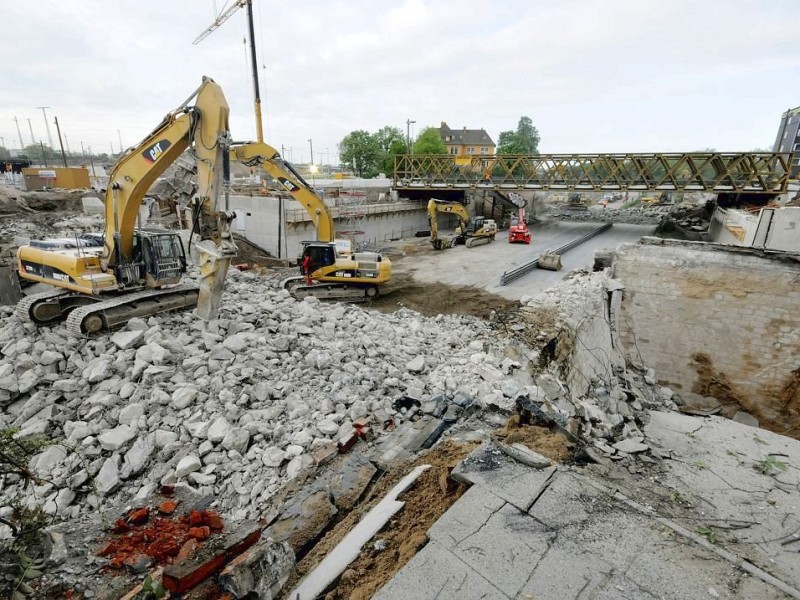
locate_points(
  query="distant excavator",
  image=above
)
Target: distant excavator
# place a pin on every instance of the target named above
(471, 231)
(325, 273)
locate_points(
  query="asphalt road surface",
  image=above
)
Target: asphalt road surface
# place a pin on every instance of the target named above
(482, 266)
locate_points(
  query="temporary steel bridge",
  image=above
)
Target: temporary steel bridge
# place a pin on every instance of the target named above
(736, 172)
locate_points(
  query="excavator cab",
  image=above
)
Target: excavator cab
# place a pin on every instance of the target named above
(163, 257)
(320, 255)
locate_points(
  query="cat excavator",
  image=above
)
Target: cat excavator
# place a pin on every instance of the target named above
(471, 231)
(326, 274)
(102, 281)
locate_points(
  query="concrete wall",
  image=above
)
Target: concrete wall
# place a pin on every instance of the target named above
(258, 218)
(770, 228)
(716, 320)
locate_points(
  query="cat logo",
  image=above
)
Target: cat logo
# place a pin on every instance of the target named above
(289, 185)
(152, 153)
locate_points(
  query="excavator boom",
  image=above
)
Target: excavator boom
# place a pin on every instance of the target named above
(138, 265)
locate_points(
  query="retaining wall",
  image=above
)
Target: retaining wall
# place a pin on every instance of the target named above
(717, 321)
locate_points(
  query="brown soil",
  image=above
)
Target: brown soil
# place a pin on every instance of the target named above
(551, 444)
(431, 299)
(429, 498)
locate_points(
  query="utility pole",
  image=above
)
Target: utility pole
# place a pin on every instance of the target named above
(21, 143)
(408, 135)
(91, 160)
(47, 124)
(311, 146)
(44, 156)
(83, 152)
(60, 143)
(120, 141)
(33, 139)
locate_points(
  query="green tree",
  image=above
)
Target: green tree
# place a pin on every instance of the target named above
(391, 142)
(4, 153)
(360, 150)
(429, 142)
(34, 152)
(525, 140)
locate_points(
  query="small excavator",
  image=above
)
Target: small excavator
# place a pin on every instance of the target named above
(104, 281)
(325, 273)
(518, 231)
(471, 231)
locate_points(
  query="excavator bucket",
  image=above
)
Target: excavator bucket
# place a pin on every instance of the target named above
(214, 262)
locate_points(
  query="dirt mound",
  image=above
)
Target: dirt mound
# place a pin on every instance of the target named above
(14, 201)
(433, 299)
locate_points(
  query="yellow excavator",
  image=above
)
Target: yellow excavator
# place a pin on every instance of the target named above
(326, 274)
(105, 280)
(471, 231)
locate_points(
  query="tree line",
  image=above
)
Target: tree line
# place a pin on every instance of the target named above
(369, 154)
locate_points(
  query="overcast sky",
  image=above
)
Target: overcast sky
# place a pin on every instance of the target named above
(593, 75)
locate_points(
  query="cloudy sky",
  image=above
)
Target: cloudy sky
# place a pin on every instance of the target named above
(594, 75)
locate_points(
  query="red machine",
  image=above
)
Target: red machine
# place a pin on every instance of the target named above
(518, 231)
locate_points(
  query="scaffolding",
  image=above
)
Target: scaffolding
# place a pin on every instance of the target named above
(352, 212)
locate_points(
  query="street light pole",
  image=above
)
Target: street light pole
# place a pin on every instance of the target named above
(19, 132)
(408, 135)
(61, 143)
(47, 124)
(311, 147)
(33, 139)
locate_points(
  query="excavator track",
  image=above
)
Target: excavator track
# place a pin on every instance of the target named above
(478, 241)
(106, 314)
(23, 308)
(341, 292)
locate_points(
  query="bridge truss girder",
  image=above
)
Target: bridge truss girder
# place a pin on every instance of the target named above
(751, 172)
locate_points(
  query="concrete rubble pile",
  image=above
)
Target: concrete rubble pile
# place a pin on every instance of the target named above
(237, 408)
(586, 385)
(651, 215)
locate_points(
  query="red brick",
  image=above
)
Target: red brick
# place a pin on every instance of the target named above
(362, 422)
(347, 442)
(138, 515)
(167, 507)
(180, 578)
(200, 533)
(188, 550)
(324, 454)
(214, 520)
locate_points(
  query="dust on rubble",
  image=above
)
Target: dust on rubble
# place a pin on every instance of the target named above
(552, 444)
(431, 299)
(430, 497)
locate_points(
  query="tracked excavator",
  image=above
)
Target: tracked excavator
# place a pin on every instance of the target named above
(471, 231)
(326, 274)
(103, 281)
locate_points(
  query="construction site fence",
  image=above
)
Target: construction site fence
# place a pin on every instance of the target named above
(751, 172)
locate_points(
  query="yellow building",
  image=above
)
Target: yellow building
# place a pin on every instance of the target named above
(465, 143)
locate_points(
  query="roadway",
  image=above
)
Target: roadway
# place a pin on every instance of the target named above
(482, 266)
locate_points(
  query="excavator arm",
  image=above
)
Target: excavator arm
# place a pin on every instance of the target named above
(204, 128)
(265, 156)
(440, 206)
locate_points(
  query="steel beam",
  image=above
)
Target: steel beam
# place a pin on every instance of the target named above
(750, 172)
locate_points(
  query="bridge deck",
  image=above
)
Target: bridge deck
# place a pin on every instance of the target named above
(752, 172)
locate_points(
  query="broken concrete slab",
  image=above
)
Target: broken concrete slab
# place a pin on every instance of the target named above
(262, 570)
(489, 467)
(435, 573)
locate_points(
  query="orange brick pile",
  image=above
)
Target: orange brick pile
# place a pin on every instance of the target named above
(161, 538)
